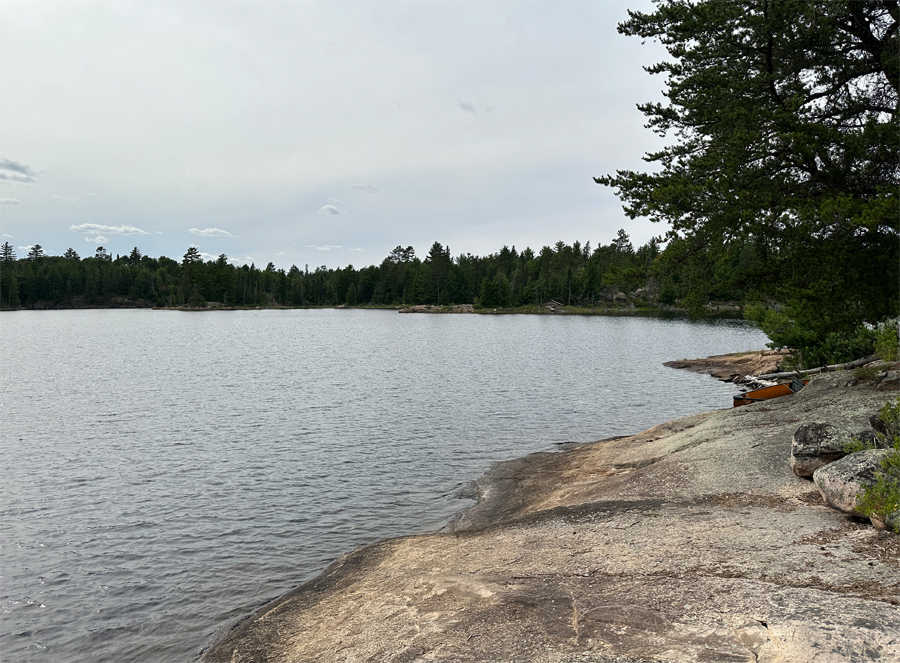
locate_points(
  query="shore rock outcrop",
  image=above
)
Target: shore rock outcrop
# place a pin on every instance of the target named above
(691, 541)
(432, 308)
(734, 366)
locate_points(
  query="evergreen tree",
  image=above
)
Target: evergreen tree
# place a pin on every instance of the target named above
(7, 253)
(786, 123)
(9, 283)
(192, 256)
(439, 260)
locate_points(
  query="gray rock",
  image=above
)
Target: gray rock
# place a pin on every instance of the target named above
(870, 437)
(890, 381)
(886, 441)
(842, 481)
(878, 424)
(818, 444)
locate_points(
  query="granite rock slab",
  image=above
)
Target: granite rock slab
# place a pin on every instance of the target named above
(691, 541)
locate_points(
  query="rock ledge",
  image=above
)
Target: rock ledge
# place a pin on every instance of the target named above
(691, 541)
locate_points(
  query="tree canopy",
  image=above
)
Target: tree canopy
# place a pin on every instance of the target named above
(785, 158)
(572, 275)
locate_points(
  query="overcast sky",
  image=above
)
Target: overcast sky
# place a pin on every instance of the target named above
(317, 133)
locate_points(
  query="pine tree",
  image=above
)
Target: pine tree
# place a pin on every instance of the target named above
(786, 134)
(7, 253)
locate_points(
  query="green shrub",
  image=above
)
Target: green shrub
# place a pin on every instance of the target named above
(855, 444)
(839, 347)
(865, 374)
(886, 340)
(817, 346)
(890, 416)
(882, 498)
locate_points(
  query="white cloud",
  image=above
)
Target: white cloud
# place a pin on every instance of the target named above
(335, 201)
(112, 230)
(360, 250)
(165, 151)
(26, 249)
(210, 232)
(329, 247)
(9, 201)
(13, 171)
(474, 109)
(99, 239)
(76, 199)
(5, 236)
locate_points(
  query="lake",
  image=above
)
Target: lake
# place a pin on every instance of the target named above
(165, 473)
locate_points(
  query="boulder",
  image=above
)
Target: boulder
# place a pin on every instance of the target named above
(842, 481)
(890, 381)
(817, 444)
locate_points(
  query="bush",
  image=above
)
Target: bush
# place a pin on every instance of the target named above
(865, 374)
(882, 498)
(886, 340)
(816, 347)
(839, 347)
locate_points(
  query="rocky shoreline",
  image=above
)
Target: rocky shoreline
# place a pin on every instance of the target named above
(691, 541)
(734, 367)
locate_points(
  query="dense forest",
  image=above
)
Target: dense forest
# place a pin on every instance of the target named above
(573, 275)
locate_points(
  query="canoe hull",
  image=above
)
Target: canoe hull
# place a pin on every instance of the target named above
(764, 394)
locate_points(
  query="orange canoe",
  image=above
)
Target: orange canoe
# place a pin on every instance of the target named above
(766, 393)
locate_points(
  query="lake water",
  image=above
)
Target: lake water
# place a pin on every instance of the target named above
(165, 473)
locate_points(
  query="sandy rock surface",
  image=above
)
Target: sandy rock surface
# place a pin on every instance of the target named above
(692, 541)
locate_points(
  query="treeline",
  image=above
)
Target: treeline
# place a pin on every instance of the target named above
(575, 275)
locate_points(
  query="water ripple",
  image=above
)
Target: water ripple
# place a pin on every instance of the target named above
(166, 473)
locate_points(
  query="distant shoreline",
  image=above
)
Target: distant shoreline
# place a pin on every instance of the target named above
(726, 311)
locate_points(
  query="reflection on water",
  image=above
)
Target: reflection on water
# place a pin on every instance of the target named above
(165, 473)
